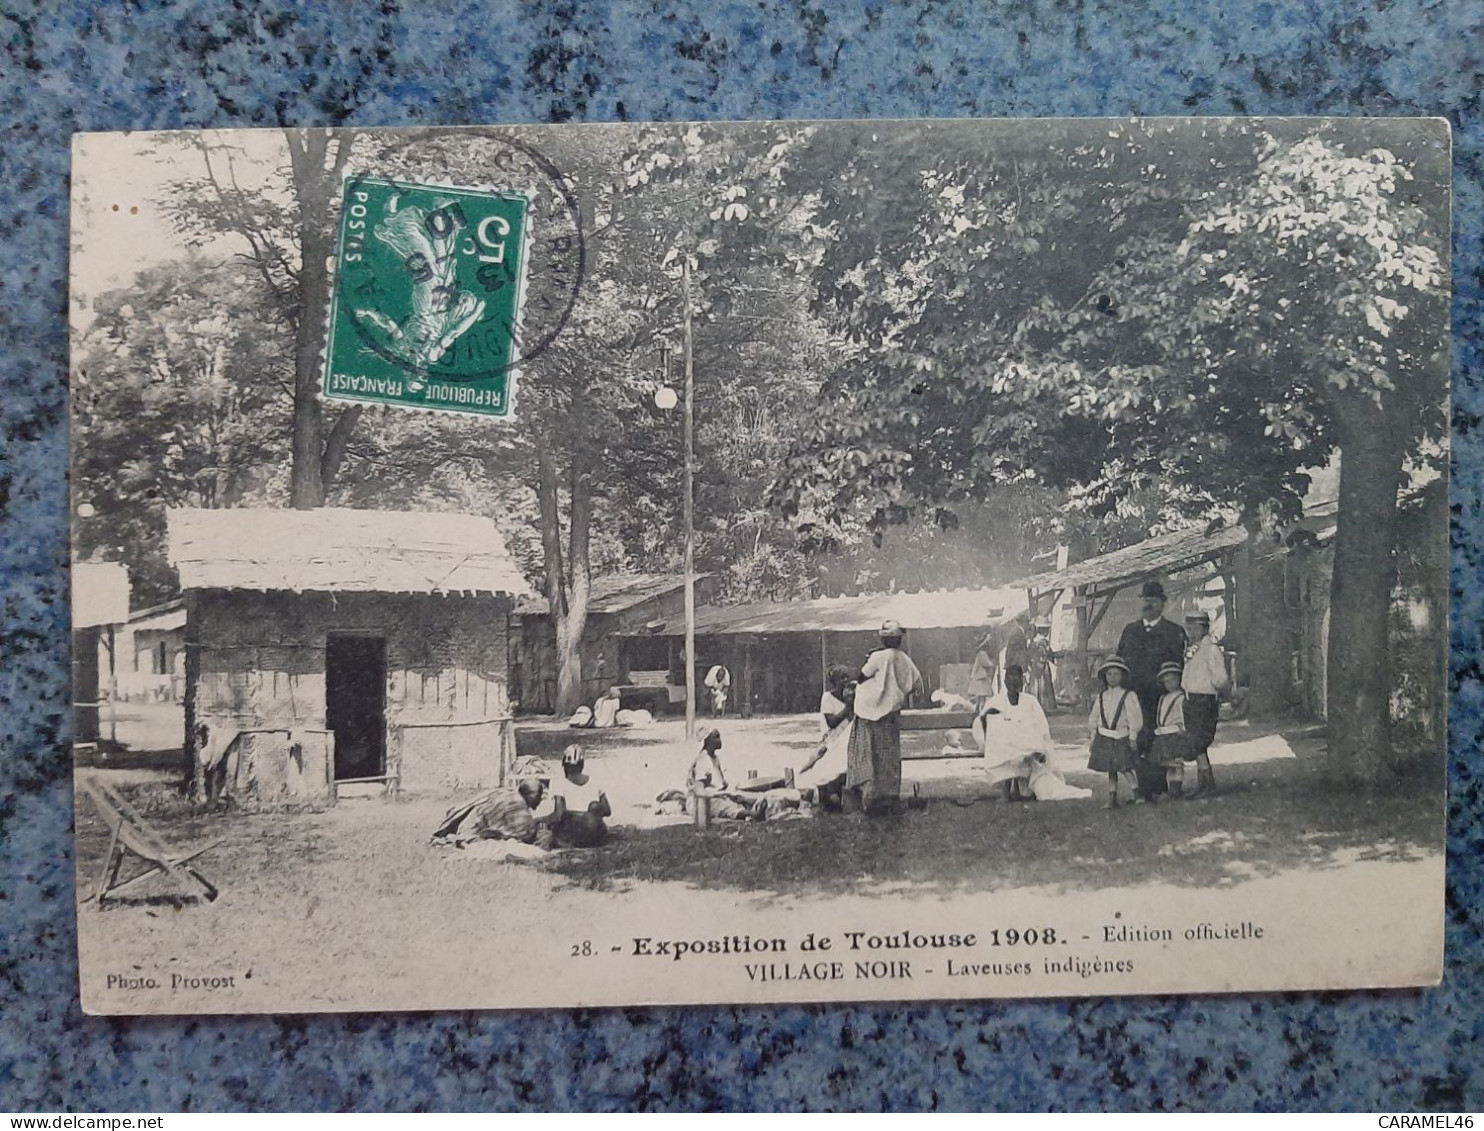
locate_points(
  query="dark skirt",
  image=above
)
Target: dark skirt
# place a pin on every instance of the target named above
(1171, 749)
(1200, 723)
(874, 756)
(1110, 755)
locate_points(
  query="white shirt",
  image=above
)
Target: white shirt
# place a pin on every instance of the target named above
(577, 796)
(1017, 730)
(1169, 716)
(889, 677)
(705, 772)
(1130, 722)
(1205, 669)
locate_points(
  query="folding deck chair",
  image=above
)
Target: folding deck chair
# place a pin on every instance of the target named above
(132, 833)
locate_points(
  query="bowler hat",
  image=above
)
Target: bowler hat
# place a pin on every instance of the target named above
(1152, 589)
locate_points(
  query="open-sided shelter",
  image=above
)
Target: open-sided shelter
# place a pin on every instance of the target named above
(154, 667)
(100, 614)
(329, 649)
(623, 642)
(779, 651)
(1268, 595)
(1090, 601)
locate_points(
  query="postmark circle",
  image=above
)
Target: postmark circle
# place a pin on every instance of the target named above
(464, 276)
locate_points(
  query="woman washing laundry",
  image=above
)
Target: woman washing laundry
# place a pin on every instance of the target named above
(824, 772)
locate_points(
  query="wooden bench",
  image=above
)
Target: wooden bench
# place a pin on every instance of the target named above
(923, 734)
(132, 833)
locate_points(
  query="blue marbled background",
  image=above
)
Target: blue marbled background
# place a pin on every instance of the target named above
(77, 66)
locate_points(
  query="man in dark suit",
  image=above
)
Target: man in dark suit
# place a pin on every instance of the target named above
(1146, 645)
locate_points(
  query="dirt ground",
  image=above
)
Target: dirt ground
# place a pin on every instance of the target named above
(351, 908)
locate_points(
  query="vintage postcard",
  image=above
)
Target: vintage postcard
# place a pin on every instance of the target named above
(533, 566)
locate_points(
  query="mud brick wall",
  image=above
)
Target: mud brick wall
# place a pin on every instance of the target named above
(261, 665)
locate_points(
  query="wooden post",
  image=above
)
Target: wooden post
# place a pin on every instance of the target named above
(690, 533)
(1081, 642)
(747, 679)
(113, 690)
(194, 785)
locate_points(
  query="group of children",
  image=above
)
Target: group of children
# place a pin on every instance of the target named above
(1181, 733)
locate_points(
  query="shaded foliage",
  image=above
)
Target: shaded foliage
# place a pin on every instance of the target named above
(178, 399)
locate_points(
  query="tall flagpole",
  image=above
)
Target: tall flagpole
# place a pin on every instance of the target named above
(690, 532)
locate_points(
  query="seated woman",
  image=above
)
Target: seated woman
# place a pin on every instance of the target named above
(707, 779)
(1017, 745)
(580, 806)
(513, 812)
(1013, 728)
(605, 709)
(824, 772)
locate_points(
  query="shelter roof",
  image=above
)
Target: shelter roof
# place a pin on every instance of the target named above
(100, 594)
(1154, 557)
(1163, 555)
(163, 617)
(338, 550)
(943, 608)
(615, 593)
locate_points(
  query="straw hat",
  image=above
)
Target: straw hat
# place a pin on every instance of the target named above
(1170, 668)
(1113, 662)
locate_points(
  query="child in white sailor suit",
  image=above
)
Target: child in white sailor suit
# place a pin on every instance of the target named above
(1171, 745)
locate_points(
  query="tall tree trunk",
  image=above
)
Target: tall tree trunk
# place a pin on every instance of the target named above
(316, 459)
(1359, 669)
(567, 575)
(573, 622)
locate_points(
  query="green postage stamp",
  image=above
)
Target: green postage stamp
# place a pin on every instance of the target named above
(425, 309)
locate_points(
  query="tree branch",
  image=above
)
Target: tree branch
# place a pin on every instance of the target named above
(259, 256)
(335, 442)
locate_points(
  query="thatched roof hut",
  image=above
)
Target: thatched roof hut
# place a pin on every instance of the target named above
(338, 550)
(334, 650)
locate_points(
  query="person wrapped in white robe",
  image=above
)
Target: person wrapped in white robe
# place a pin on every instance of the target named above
(1016, 738)
(824, 772)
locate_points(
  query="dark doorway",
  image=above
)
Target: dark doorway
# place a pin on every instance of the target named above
(355, 704)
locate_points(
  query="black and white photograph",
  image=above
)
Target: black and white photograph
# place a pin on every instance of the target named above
(607, 565)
